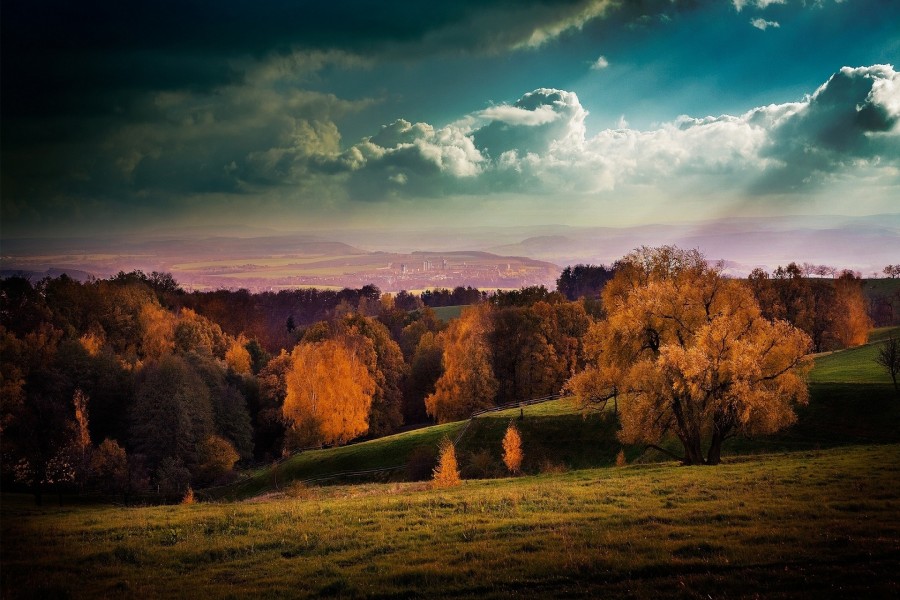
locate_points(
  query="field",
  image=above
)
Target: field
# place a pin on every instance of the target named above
(448, 313)
(811, 512)
(809, 524)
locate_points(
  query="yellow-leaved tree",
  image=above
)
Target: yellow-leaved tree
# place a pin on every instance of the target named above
(329, 394)
(468, 381)
(512, 449)
(689, 354)
(446, 473)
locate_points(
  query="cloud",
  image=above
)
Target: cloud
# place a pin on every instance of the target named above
(850, 121)
(538, 145)
(557, 117)
(600, 64)
(762, 24)
(574, 20)
(761, 4)
(513, 115)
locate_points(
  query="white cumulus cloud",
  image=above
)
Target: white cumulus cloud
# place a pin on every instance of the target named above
(538, 147)
(600, 64)
(762, 24)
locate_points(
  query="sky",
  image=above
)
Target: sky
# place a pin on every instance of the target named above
(305, 116)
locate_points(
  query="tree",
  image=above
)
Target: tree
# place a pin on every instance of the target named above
(468, 381)
(446, 473)
(387, 370)
(172, 412)
(583, 281)
(329, 394)
(269, 416)
(852, 321)
(512, 449)
(216, 458)
(81, 438)
(424, 371)
(692, 356)
(109, 467)
(889, 357)
(237, 357)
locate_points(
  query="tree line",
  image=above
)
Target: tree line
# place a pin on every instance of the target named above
(130, 385)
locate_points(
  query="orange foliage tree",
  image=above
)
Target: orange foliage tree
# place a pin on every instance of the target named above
(329, 394)
(446, 473)
(468, 381)
(237, 357)
(851, 320)
(512, 449)
(691, 355)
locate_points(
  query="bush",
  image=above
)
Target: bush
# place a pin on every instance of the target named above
(512, 449)
(421, 464)
(481, 465)
(446, 473)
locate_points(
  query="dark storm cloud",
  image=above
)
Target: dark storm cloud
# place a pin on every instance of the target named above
(82, 82)
(60, 57)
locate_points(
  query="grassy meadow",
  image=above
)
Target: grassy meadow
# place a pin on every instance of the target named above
(813, 511)
(819, 523)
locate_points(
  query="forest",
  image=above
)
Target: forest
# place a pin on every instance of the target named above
(132, 386)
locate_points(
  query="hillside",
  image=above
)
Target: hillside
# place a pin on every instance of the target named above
(851, 402)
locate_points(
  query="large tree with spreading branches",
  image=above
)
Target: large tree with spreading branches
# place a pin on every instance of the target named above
(688, 354)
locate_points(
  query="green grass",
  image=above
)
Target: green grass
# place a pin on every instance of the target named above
(810, 524)
(813, 511)
(447, 313)
(380, 453)
(854, 365)
(851, 402)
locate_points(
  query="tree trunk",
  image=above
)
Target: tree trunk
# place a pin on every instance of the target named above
(693, 453)
(714, 456)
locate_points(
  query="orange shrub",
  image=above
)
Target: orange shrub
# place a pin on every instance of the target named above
(512, 449)
(446, 473)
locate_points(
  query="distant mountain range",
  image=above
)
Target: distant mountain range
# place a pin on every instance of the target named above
(262, 258)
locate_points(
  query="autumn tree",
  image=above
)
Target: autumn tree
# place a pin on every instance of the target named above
(81, 437)
(512, 449)
(237, 357)
(468, 383)
(372, 343)
(852, 321)
(216, 458)
(109, 467)
(424, 371)
(329, 394)
(691, 355)
(889, 357)
(387, 372)
(446, 473)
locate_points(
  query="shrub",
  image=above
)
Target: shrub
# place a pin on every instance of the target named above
(446, 473)
(189, 496)
(620, 459)
(481, 465)
(550, 467)
(512, 449)
(421, 464)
